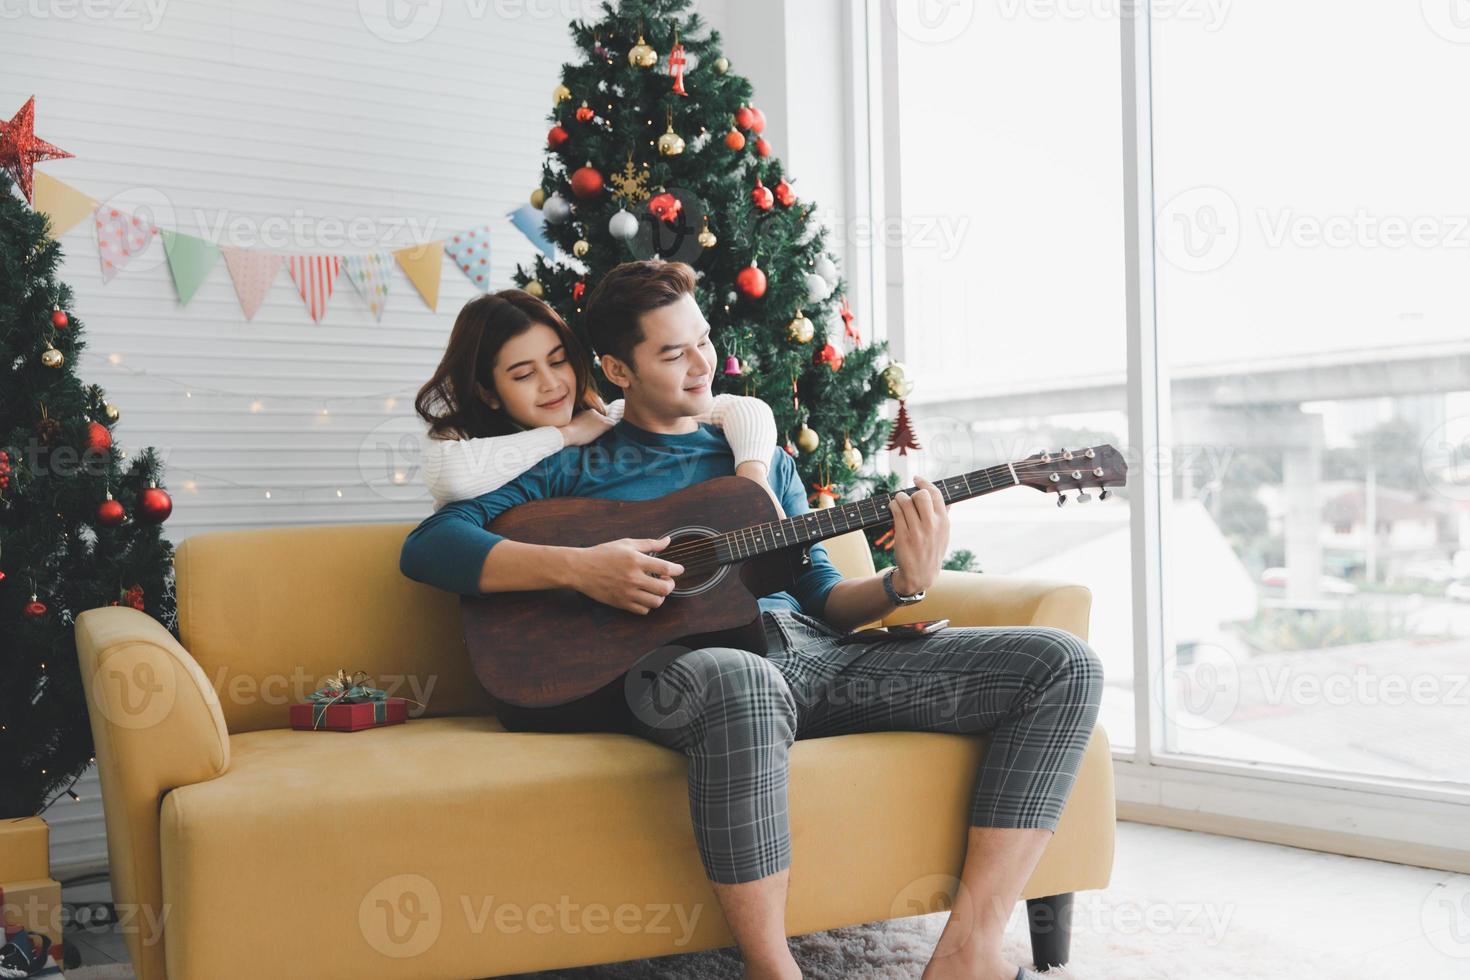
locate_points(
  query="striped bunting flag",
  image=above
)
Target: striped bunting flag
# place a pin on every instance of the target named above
(315, 275)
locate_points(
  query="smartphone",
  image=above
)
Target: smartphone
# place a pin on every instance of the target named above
(922, 628)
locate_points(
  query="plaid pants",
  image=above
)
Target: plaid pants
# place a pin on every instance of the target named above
(734, 713)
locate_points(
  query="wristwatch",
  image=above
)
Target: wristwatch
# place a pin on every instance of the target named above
(893, 596)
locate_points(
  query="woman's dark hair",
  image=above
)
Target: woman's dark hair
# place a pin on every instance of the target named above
(453, 400)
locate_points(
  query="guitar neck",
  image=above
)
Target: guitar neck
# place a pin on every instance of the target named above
(804, 529)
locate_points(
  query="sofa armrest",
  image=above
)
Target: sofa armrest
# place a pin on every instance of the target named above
(156, 725)
(975, 599)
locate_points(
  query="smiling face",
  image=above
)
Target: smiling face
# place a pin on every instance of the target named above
(534, 382)
(672, 367)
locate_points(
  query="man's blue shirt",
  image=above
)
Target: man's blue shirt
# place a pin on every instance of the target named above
(448, 548)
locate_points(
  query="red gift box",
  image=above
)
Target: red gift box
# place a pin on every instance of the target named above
(349, 717)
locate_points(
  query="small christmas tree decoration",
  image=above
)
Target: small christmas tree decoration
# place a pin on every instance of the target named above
(790, 448)
(48, 430)
(98, 438)
(751, 281)
(580, 248)
(642, 55)
(677, 62)
(757, 120)
(560, 94)
(800, 329)
(534, 288)
(556, 136)
(848, 320)
(760, 196)
(707, 238)
(732, 367)
(852, 457)
(154, 505)
(20, 148)
(785, 196)
(735, 140)
(538, 198)
(896, 378)
(762, 147)
(578, 288)
(830, 356)
(556, 209)
(670, 144)
(51, 357)
(903, 438)
(817, 288)
(665, 207)
(584, 112)
(807, 439)
(35, 609)
(622, 225)
(721, 65)
(110, 411)
(587, 182)
(826, 268)
(59, 319)
(110, 513)
(744, 117)
(632, 184)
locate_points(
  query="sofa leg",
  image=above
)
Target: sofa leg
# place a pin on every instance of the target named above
(1050, 919)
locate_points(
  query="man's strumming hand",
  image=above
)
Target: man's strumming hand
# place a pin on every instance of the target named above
(920, 536)
(621, 573)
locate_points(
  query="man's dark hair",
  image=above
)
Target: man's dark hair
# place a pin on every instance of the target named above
(630, 290)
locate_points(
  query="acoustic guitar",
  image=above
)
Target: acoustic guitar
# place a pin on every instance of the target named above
(543, 648)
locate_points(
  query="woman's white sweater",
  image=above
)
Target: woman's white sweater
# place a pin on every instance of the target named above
(460, 469)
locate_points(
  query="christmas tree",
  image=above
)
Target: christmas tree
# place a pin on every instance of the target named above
(656, 150)
(76, 530)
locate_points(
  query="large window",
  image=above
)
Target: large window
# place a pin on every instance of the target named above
(1313, 304)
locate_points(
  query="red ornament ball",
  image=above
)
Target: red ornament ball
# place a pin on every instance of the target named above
(762, 148)
(757, 120)
(735, 139)
(587, 182)
(35, 609)
(584, 114)
(745, 117)
(59, 319)
(785, 196)
(578, 288)
(557, 137)
(751, 282)
(665, 207)
(98, 438)
(830, 356)
(154, 505)
(110, 513)
(760, 196)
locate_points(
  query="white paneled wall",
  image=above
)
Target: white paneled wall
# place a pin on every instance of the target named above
(287, 123)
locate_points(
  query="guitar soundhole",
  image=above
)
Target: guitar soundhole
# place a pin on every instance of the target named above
(695, 582)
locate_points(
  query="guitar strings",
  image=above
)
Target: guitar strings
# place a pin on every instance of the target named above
(703, 554)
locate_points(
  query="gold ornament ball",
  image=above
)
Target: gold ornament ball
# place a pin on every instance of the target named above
(52, 358)
(580, 247)
(538, 198)
(560, 94)
(853, 457)
(807, 439)
(800, 329)
(534, 288)
(110, 410)
(641, 55)
(670, 144)
(707, 239)
(722, 65)
(896, 378)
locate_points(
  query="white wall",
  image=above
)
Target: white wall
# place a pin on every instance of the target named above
(298, 120)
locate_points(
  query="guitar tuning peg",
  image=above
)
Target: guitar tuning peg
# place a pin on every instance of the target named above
(1083, 496)
(1061, 499)
(1106, 493)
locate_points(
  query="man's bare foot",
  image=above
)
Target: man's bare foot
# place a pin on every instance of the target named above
(784, 968)
(958, 967)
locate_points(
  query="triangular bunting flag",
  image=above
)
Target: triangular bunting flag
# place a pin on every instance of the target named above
(253, 272)
(189, 260)
(315, 276)
(423, 264)
(470, 250)
(63, 204)
(120, 236)
(370, 274)
(528, 220)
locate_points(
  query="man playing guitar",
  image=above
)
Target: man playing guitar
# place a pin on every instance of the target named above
(735, 712)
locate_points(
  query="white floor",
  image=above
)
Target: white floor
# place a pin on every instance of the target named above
(1182, 906)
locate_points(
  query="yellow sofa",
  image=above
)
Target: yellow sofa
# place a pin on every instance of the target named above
(448, 847)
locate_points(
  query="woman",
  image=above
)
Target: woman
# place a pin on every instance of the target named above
(515, 386)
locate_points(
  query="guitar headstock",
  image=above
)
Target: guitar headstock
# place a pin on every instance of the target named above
(1073, 469)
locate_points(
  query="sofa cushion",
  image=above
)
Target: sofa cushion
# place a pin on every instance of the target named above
(450, 847)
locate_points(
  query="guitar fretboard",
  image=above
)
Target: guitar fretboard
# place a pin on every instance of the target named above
(803, 529)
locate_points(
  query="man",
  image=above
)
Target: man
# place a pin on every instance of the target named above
(735, 713)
